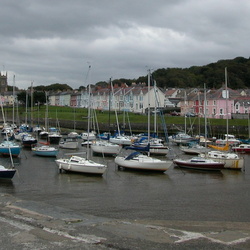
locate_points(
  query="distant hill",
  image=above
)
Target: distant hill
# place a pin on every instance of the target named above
(212, 74)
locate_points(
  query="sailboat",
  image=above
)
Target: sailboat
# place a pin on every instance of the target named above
(44, 133)
(80, 164)
(138, 160)
(6, 173)
(119, 137)
(156, 145)
(105, 146)
(73, 134)
(231, 160)
(9, 147)
(198, 162)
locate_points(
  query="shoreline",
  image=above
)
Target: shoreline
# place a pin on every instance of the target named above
(39, 226)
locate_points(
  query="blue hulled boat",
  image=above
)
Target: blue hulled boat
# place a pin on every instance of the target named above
(10, 147)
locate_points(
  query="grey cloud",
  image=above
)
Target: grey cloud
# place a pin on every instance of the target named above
(54, 41)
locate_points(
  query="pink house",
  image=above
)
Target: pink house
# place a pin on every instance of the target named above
(220, 103)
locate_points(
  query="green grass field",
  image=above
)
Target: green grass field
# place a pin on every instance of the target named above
(80, 114)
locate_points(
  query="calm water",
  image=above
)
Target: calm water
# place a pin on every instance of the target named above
(175, 195)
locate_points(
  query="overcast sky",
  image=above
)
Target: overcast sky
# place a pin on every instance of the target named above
(55, 41)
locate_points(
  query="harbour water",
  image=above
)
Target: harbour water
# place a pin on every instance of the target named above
(182, 195)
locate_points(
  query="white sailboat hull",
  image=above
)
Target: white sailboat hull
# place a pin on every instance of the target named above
(121, 140)
(143, 162)
(81, 165)
(105, 148)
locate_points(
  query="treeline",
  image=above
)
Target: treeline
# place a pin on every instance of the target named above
(212, 74)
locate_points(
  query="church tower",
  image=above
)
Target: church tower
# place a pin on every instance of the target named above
(3, 83)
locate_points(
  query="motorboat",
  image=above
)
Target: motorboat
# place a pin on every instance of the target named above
(88, 136)
(229, 139)
(73, 135)
(231, 160)
(199, 163)
(28, 141)
(44, 134)
(242, 148)
(105, 147)
(54, 136)
(69, 143)
(45, 151)
(81, 165)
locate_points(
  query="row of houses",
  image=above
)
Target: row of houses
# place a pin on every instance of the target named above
(220, 103)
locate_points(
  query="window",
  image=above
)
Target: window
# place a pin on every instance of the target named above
(221, 111)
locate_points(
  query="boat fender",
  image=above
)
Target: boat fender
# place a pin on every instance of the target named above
(69, 167)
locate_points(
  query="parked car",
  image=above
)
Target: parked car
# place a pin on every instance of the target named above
(190, 114)
(174, 113)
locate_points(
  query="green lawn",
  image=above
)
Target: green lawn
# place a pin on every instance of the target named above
(80, 114)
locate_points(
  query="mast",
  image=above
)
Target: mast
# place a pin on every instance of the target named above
(118, 127)
(31, 104)
(205, 113)
(149, 109)
(185, 118)
(155, 109)
(26, 111)
(109, 107)
(14, 101)
(47, 111)
(88, 129)
(226, 100)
